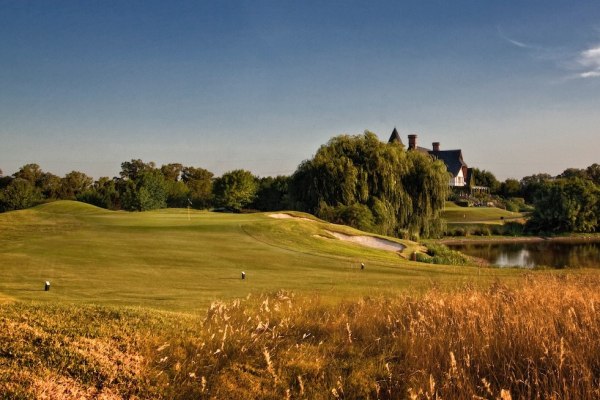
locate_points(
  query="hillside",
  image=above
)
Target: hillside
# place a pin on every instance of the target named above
(173, 260)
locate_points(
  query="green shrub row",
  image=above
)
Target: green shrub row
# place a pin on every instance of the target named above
(507, 229)
(441, 254)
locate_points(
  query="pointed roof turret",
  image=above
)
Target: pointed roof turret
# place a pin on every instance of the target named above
(395, 138)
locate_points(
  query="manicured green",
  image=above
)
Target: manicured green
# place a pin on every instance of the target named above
(454, 214)
(181, 260)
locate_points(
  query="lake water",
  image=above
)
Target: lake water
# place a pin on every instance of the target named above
(529, 255)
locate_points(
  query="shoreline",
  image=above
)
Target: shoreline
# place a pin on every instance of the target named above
(518, 239)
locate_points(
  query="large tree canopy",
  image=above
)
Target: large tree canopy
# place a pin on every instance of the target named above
(235, 189)
(200, 184)
(132, 170)
(142, 186)
(487, 179)
(19, 194)
(566, 205)
(30, 172)
(272, 194)
(103, 193)
(73, 184)
(364, 182)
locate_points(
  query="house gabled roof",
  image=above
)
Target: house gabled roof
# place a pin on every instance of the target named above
(452, 158)
(395, 138)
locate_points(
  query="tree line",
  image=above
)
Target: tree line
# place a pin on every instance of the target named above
(355, 180)
(567, 202)
(142, 186)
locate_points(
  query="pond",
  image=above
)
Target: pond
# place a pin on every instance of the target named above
(547, 253)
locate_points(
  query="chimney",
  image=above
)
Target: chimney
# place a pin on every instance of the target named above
(412, 142)
(436, 146)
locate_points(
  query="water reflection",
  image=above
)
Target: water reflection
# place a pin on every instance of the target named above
(529, 255)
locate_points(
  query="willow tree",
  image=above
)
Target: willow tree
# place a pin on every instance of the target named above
(392, 190)
(427, 185)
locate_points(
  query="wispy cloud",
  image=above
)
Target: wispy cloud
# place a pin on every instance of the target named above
(583, 64)
(513, 41)
(517, 43)
(589, 60)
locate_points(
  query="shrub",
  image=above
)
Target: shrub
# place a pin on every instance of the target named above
(498, 230)
(424, 258)
(511, 206)
(461, 231)
(513, 228)
(441, 254)
(521, 204)
(482, 230)
(464, 203)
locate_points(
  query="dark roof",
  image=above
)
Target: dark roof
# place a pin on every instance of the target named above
(395, 138)
(452, 158)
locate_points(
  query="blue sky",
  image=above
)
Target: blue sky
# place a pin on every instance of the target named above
(260, 85)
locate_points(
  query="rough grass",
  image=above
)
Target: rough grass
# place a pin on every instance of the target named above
(538, 340)
(171, 261)
(78, 352)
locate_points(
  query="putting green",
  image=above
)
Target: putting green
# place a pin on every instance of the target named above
(455, 214)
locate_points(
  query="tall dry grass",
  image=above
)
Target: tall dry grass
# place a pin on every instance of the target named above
(540, 339)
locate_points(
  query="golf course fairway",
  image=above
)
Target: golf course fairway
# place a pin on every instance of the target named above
(180, 260)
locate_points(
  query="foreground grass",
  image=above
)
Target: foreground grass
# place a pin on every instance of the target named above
(538, 340)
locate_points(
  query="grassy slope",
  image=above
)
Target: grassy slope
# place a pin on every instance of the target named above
(164, 260)
(454, 214)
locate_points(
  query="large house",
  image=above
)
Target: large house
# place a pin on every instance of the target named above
(453, 159)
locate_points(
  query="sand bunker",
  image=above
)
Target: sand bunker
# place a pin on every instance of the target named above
(367, 241)
(370, 241)
(288, 216)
